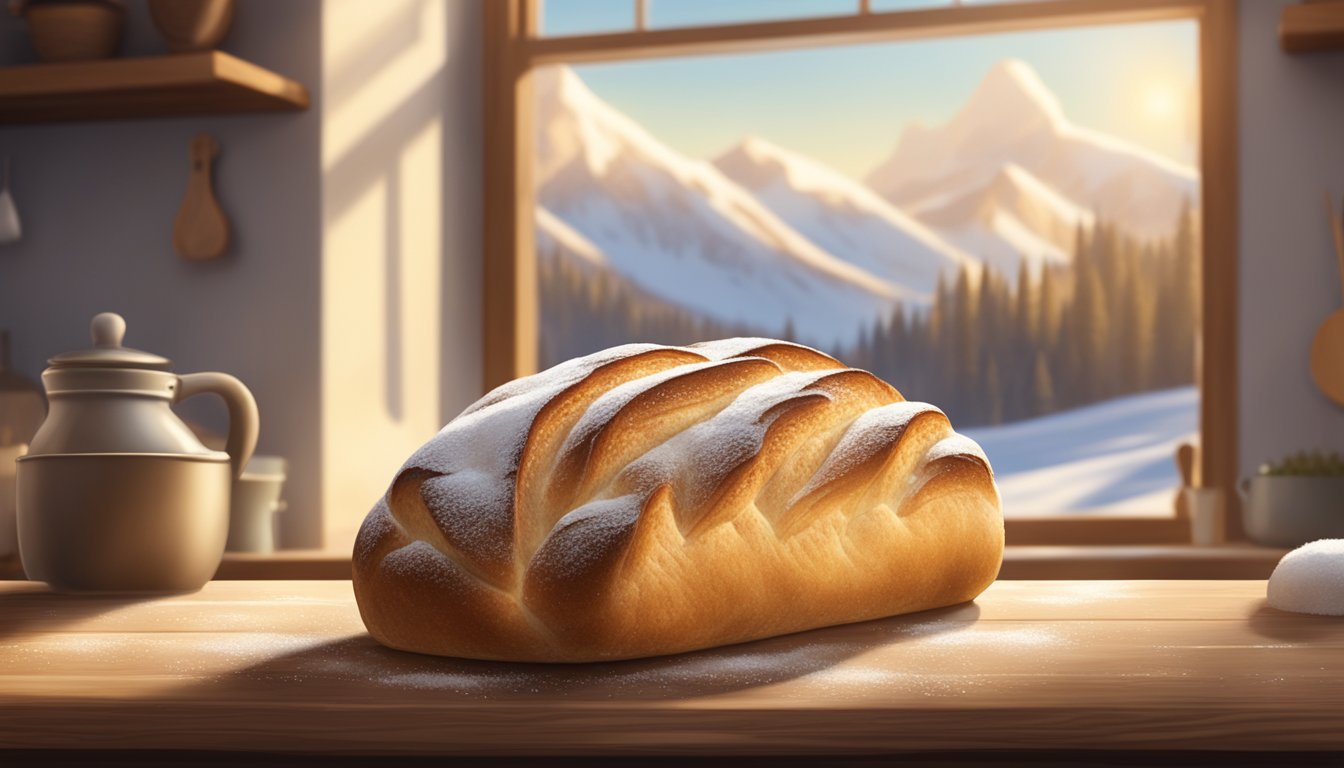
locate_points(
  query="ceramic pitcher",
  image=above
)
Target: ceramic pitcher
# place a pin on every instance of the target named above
(116, 492)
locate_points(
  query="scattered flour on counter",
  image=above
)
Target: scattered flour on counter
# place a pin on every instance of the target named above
(1310, 579)
(853, 676)
(737, 668)
(1077, 593)
(245, 645)
(453, 681)
(1013, 637)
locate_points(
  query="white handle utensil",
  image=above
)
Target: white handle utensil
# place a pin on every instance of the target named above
(11, 229)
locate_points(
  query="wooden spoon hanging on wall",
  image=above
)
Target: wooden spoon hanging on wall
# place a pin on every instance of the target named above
(1327, 349)
(201, 231)
(1185, 464)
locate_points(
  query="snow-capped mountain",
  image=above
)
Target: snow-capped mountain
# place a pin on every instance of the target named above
(1012, 119)
(1014, 216)
(679, 229)
(556, 239)
(841, 215)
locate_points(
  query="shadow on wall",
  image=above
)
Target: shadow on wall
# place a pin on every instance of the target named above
(373, 160)
(397, 141)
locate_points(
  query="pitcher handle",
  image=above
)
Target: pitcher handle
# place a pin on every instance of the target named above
(244, 421)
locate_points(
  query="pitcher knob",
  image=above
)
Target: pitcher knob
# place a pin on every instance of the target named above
(108, 329)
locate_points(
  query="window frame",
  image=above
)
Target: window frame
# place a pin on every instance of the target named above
(513, 48)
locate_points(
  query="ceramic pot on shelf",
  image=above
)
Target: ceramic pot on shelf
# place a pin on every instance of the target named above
(116, 494)
(73, 30)
(192, 25)
(1292, 510)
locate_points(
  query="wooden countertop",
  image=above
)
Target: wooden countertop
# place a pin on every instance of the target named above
(1091, 561)
(282, 667)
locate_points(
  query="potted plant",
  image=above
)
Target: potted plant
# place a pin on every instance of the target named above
(1295, 500)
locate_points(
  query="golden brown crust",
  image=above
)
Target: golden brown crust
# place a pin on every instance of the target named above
(650, 500)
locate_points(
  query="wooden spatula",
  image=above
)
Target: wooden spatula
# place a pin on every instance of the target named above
(1327, 349)
(201, 231)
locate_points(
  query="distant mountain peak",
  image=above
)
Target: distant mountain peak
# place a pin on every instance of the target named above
(758, 160)
(1010, 107)
(840, 214)
(1012, 140)
(757, 146)
(1011, 89)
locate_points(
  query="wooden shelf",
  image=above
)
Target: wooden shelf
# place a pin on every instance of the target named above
(1230, 561)
(320, 564)
(1312, 26)
(154, 86)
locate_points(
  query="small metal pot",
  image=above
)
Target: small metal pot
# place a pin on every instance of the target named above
(1289, 511)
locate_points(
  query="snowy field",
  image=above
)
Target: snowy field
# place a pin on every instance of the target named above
(1113, 457)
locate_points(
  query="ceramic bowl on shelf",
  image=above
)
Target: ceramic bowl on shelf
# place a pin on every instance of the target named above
(192, 25)
(73, 30)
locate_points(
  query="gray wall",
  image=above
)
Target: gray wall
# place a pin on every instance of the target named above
(98, 202)
(1292, 149)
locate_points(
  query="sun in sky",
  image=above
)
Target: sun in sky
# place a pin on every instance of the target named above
(1160, 103)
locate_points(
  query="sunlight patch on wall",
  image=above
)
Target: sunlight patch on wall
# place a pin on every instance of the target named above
(376, 58)
(382, 162)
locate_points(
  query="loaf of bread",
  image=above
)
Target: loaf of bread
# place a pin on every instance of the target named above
(647, 500)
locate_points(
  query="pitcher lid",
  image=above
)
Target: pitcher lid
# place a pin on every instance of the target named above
(108, 329)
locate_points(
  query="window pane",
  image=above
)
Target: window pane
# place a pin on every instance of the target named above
(693, 13)
(906, 5)
(1005, 226)
(880, 6)
(583, 17)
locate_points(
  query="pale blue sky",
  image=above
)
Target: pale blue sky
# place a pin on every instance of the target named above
(846, 105)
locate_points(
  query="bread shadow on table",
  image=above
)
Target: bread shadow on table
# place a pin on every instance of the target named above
(1275, 624)
(360, 662)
